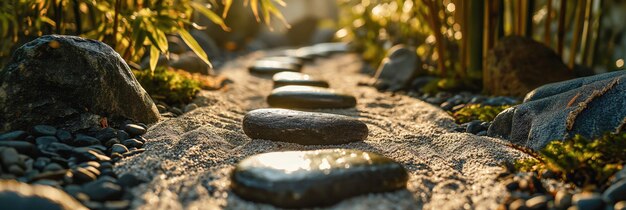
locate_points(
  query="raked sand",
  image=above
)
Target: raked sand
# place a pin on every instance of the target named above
(188, 159)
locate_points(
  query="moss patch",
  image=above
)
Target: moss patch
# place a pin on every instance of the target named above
(580, 161)
(477, 112)
(168, 85)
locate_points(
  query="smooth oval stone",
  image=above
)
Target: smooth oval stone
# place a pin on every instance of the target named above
(296, 96)
(299, 179)
(134, 129)
(16, 195)
(307, 128)
(286, 59)
(271, 67)
(294, 78)
(44, 130)
(21, 146)
(14, 135)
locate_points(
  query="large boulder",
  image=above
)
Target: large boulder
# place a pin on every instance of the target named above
(398, 69)
(16, 195)
(70, 82)
(588, 106)
(517, 65)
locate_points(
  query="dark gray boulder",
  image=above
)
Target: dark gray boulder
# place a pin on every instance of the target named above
(72, 83)
(587, 106)
(398, 69)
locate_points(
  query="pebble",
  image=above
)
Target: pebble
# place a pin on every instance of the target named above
(16, 170)
(89, 154)
(132, 143)
(16, 195)
(616, 192)
(315, 178)
(286, 59)
(9, 156)
(294, 78)
(295, 96)
(588, 201)
(84, 140)
(121, 134)
(134, 129)
(53, 167)
(620, 205)
(21, 146)
(519, 204)
(271, 67)
(44, 130)
(119, 148)
(46, 140)
(306, 128)
(563, 199)
(14, 135)
(82, 175)
(474, 127)
(106, 134)
(64, 136)
(102, 190)
(538, 202)
(130, 180)
(190, 107)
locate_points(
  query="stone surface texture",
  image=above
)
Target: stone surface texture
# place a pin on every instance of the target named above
(72, 83)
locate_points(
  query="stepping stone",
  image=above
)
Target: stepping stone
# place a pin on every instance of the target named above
(306, 128)
(294, 78)
(285, 59)
(300, 179)
(271, 67)
(297, 96)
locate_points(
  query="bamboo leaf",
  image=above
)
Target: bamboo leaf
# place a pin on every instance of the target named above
(227, 4)
(254, 4)
(195, 47)
(154, 58)
(210, 14)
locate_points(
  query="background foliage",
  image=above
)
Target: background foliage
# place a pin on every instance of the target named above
(132, 27)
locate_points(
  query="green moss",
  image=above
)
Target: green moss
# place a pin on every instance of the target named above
(579, 160)
(477, 112)
(169, 86)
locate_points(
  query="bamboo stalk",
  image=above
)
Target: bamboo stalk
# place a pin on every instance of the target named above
(548, 22)
(461, 12)
(77, 17)
(528, 18)
(598, 28)
(433, 20)
(561, 28)
(578, 27)
(118, 5)
(587, 32)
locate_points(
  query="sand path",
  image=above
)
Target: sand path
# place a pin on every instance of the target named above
(188, 159)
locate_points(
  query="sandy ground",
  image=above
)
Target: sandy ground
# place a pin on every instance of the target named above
(188, 159)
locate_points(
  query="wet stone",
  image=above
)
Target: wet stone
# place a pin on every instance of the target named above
(591, 201)
(296, 96)
(271, 67)
(294, 78)
(14, 135)
(307, 128)
(44, 130)
(315, 178)
(285, 59)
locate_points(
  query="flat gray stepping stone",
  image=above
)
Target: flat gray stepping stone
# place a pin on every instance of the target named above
(300, 179)
(271, 67)
(294, 78)
(286, 59)
(306, 128)
(297, 96)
